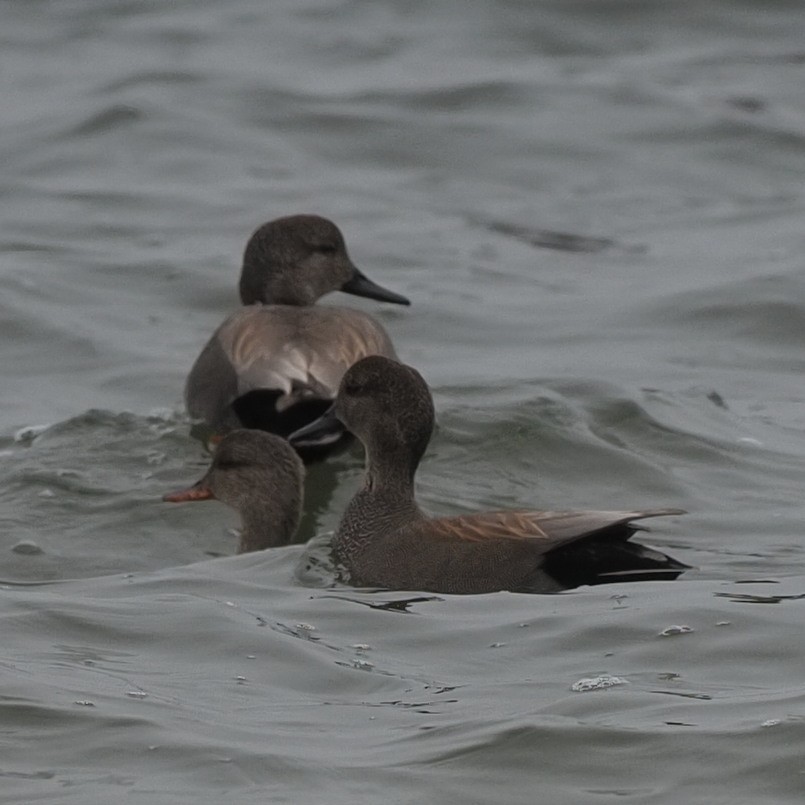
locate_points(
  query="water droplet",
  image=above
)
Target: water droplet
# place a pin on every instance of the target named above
(361, 647)
(306, 627)
(723, 623)
(84, 703)
(598, 683)
(496, 645)
(137, 694)
(771, 722)
(669, 631)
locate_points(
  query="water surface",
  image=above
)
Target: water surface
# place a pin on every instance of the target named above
(596, 209)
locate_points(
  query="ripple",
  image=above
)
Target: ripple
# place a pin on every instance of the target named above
(108, 120)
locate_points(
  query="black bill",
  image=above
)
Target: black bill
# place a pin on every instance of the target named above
(361, 285)
(325, 430)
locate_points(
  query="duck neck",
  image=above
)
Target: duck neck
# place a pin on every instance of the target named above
(390, 476)
(384, 504)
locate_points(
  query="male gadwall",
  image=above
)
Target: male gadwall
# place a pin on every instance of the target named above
(384, 539)
(276, 363)
(261, 476)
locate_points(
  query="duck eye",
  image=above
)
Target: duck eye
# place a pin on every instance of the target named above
(326, 248)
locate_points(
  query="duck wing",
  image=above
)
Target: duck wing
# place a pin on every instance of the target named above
(546, 551)
(298, 353)
(547, 530)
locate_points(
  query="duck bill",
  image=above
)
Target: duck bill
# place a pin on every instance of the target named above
(361, 285)
(325, 430)
(199, 491)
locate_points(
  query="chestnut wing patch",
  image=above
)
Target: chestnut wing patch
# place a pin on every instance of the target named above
(551, 528)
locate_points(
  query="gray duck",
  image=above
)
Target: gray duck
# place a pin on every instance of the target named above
(261, 476)
(385, 540)
(276, 363)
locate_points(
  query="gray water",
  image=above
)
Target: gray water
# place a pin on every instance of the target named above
(596, 208)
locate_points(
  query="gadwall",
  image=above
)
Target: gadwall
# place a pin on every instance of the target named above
(276, 363)
(261, 476)
(384, 539)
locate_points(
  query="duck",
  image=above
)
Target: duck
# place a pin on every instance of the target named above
(262, 477)
(384, 540)
(275, 364)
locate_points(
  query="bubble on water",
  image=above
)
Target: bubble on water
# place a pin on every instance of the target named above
(723, 623)
(137, 694)
(771, 722)
(363, 665)
(496, 645)
(598, 683)
(361, 647)
(306, 627)
(670, 631)
(84, 703)
(47, 493)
